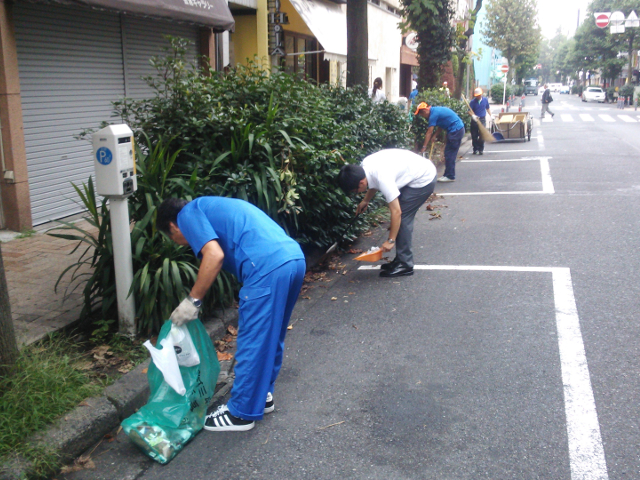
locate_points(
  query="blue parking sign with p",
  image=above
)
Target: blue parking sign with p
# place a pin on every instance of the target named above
(104, 156)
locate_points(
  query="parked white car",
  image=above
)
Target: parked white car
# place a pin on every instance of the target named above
(593, 94)
(565, 89)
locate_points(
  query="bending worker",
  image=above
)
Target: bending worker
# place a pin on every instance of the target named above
(233, 234)
(447, 120)
(480, 108)
(406, 180)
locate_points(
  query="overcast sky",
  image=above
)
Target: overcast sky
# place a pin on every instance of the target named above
(563, 14)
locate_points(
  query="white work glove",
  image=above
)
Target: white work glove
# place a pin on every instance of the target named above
(475, 118)
(185, 312)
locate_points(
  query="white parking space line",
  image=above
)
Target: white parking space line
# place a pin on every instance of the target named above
(545, 172)
(586, 452)
(566, 117)
(507, 151)
(606, 118)
(627, 118)
(586, 117)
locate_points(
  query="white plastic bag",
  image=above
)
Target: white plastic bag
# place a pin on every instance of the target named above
(167, 362)
(184, 347)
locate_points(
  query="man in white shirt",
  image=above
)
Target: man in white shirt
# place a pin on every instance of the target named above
(406, 181)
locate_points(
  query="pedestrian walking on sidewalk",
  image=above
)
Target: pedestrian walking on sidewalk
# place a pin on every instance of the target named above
(546, 100)
(231, 234)
(480, 107)
(447, 120)
(406, 181)
(375, 93)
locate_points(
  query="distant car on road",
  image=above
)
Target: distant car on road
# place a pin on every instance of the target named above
(565, 89)
(593, 94)
(555, 87)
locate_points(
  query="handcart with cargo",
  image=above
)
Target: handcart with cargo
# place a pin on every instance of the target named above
(512, 126)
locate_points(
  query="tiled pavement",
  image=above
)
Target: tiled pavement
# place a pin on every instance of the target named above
(32, 268)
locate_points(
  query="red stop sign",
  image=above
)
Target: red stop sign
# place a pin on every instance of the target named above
(504, 68)
(602, 20)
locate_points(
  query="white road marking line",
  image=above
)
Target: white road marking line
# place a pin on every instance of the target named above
(540, 142)
(523, 159)
(586, 117)
(606, 118)
(586, 452)
(545, 171)
(566, 117)
(547, 120)
(507, 151)
(627, 118)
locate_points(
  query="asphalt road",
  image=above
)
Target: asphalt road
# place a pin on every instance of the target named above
(511, 353)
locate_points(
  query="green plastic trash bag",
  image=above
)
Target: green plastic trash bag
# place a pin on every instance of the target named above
(169, 421)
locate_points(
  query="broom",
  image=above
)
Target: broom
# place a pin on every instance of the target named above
(486, 135)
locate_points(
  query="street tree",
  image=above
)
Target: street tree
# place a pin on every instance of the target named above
(463, 34)
(357, 43)
(431, 20)
(512, 27)
(629, 41)
(596, 49)
(8, 345)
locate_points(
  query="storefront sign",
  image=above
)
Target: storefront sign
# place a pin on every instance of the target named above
(276, 32)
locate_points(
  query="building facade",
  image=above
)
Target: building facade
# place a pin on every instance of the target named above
(62, 64)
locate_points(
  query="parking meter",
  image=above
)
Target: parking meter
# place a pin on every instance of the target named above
(115, 166)
(114, 161)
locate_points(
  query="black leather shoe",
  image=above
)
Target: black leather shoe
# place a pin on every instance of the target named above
(399, 270)
(389, 266)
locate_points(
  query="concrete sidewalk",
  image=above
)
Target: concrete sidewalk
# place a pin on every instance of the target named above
(33, 263)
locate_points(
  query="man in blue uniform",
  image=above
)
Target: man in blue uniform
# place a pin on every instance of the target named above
(447, 120)
(239, 237)
(480, 108)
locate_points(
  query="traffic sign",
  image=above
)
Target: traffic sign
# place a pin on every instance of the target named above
(504, 68)
(602, 19)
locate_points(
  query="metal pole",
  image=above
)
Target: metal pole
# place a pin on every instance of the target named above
(123, 263)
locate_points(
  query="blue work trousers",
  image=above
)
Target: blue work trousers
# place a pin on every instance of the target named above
(265, 309)
(454, 139)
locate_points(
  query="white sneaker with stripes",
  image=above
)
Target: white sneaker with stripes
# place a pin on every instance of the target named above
(222, 421)
(269, 405)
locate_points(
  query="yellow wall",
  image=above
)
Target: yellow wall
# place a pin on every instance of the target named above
(245, 38)
(251, 37)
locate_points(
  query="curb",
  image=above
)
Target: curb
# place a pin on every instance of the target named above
(85, 425)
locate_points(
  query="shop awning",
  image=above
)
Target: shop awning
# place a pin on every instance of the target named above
(209, 13)
(328, 22)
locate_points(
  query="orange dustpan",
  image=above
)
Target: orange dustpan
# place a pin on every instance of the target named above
(370, 256)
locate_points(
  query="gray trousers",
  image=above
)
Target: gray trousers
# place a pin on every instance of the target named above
(411, 199)
(545, 108)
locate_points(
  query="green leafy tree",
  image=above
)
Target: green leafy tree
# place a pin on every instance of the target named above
(463, 55)
(597, 49)
(431, 20)
(512, 28)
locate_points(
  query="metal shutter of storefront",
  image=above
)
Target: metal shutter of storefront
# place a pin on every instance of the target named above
(70, 67)
(144, 38)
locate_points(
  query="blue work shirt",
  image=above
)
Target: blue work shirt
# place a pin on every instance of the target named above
(445, 118)
(479, 107)
(252, 243)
